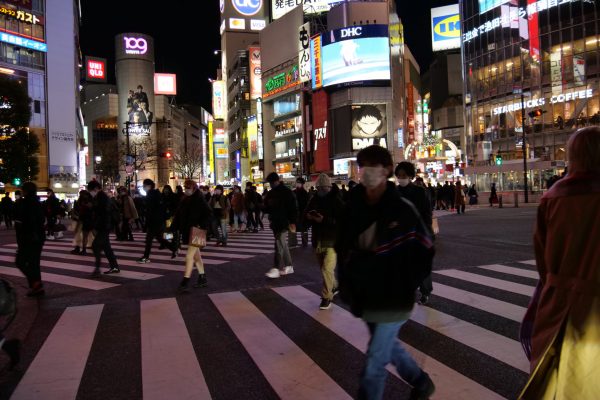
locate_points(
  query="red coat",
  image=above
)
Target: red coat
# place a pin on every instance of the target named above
(567, 248)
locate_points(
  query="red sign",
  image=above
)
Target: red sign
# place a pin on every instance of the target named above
(320, 105)
(95, 69)
(410, 112)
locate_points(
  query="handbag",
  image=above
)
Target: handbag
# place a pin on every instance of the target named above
(197, 237)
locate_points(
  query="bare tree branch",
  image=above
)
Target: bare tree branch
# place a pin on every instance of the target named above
(188, 164)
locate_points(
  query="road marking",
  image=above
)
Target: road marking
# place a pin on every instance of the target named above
(450, 384)
(525, 290)
(495, 345)
(511, 271)
(56, 371)
(529, 262)
(63, 279)
(170, 369)
(81, 268)
(292, 374)
(497, 307)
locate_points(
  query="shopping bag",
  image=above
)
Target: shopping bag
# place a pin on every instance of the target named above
(197, 237)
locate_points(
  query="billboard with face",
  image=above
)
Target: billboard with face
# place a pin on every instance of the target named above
(369, 126)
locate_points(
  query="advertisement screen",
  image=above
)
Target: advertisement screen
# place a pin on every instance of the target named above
(165, 84)
(369, 126)
(140, 116)
(445, 28)
(255, 72)
(486, 5)
(253, 137)
(218, 99)
(355, 55)
(244, 15)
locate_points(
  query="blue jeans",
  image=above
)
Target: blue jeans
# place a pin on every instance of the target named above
(384, 348)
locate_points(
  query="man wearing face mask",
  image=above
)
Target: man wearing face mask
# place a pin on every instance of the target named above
(384, 252)
(101, 228)
(281, 206)
(156, 216)
(405, 173)
(322, 213)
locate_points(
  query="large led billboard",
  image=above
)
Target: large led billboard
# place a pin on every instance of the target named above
(352, 56)
(445, 28)
(218, 99)
(165, 84)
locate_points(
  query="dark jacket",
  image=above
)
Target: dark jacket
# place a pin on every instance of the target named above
(418, 196)
(156, 211)
(29, 221)
(384, 253)
(192, 211)
(7, 206)
(52, 207)
(101, 213)
(330, 207)
(281, 206)
(223, 211)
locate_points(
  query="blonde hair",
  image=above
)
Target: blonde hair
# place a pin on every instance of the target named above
(584, 150)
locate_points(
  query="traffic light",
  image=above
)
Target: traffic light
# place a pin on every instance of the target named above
(16, 182)
(498, 160)
(166, 154)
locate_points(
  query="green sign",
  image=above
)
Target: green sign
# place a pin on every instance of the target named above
(280, 80)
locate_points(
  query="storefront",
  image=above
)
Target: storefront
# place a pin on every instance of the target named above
(531, 72)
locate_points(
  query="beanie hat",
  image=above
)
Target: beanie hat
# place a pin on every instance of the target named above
(323, 181)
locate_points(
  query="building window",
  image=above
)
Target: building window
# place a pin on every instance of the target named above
(37, 107)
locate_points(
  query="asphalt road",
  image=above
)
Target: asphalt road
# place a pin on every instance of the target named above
(247, 337)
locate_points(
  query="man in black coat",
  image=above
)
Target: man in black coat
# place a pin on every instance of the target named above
(102, 225)
(281, 206)
(405, 173)
(29, 227)
(156, 216)
(383, 252)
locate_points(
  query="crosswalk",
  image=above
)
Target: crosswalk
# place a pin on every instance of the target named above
(61, 267)
(275, 343)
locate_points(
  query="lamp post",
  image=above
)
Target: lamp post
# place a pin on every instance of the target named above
(98, 160)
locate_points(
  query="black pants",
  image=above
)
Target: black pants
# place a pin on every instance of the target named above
(258, 219)
(251, 223)
(426, 286)
(8, 220)
(50, 224)
(28, 261)
(154, 233)
(101, 244)
(126, 230)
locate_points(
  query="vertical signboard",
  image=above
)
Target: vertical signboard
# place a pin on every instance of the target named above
(534, 34)
(253, 138)
(255, 73)
(320, 105)
(410, 112)
(218, 88)
(316, 70)
(304, 52)
(556, 71)
(238, 165)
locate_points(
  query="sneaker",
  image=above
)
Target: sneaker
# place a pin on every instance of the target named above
(113, 270)
(143, 260)
(335, 291)
(183, 286)
(424, 299)
(59, 235)
(287, 270)
(273, 273)
(202, 282)
(12, 348)
(325, 304)
(49, 237)
(424, 389)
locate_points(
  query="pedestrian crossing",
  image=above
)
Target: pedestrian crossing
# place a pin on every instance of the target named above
(275, 343)
(61, 267)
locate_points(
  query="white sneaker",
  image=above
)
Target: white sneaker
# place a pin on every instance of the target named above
(273, 273)
(59, 235)
(50, 237)
(287, 270)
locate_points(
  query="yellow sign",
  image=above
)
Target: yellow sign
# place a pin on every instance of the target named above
(211, 165)
(20, 15)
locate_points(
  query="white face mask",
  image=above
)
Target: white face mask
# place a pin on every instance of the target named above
(371, 177)
(403, 182)
(188, 192)
(147, 188)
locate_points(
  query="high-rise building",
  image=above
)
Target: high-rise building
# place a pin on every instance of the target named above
(531, 78)
(39, 46)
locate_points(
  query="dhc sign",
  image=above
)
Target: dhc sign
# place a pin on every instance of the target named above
(445, 28)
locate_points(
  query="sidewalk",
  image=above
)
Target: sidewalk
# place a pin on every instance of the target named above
(443, 213)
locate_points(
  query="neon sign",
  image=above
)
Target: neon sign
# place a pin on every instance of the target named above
(135, 45)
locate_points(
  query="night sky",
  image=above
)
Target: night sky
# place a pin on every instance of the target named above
(183, 47)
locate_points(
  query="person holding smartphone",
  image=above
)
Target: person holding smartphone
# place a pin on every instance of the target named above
(322, 213)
